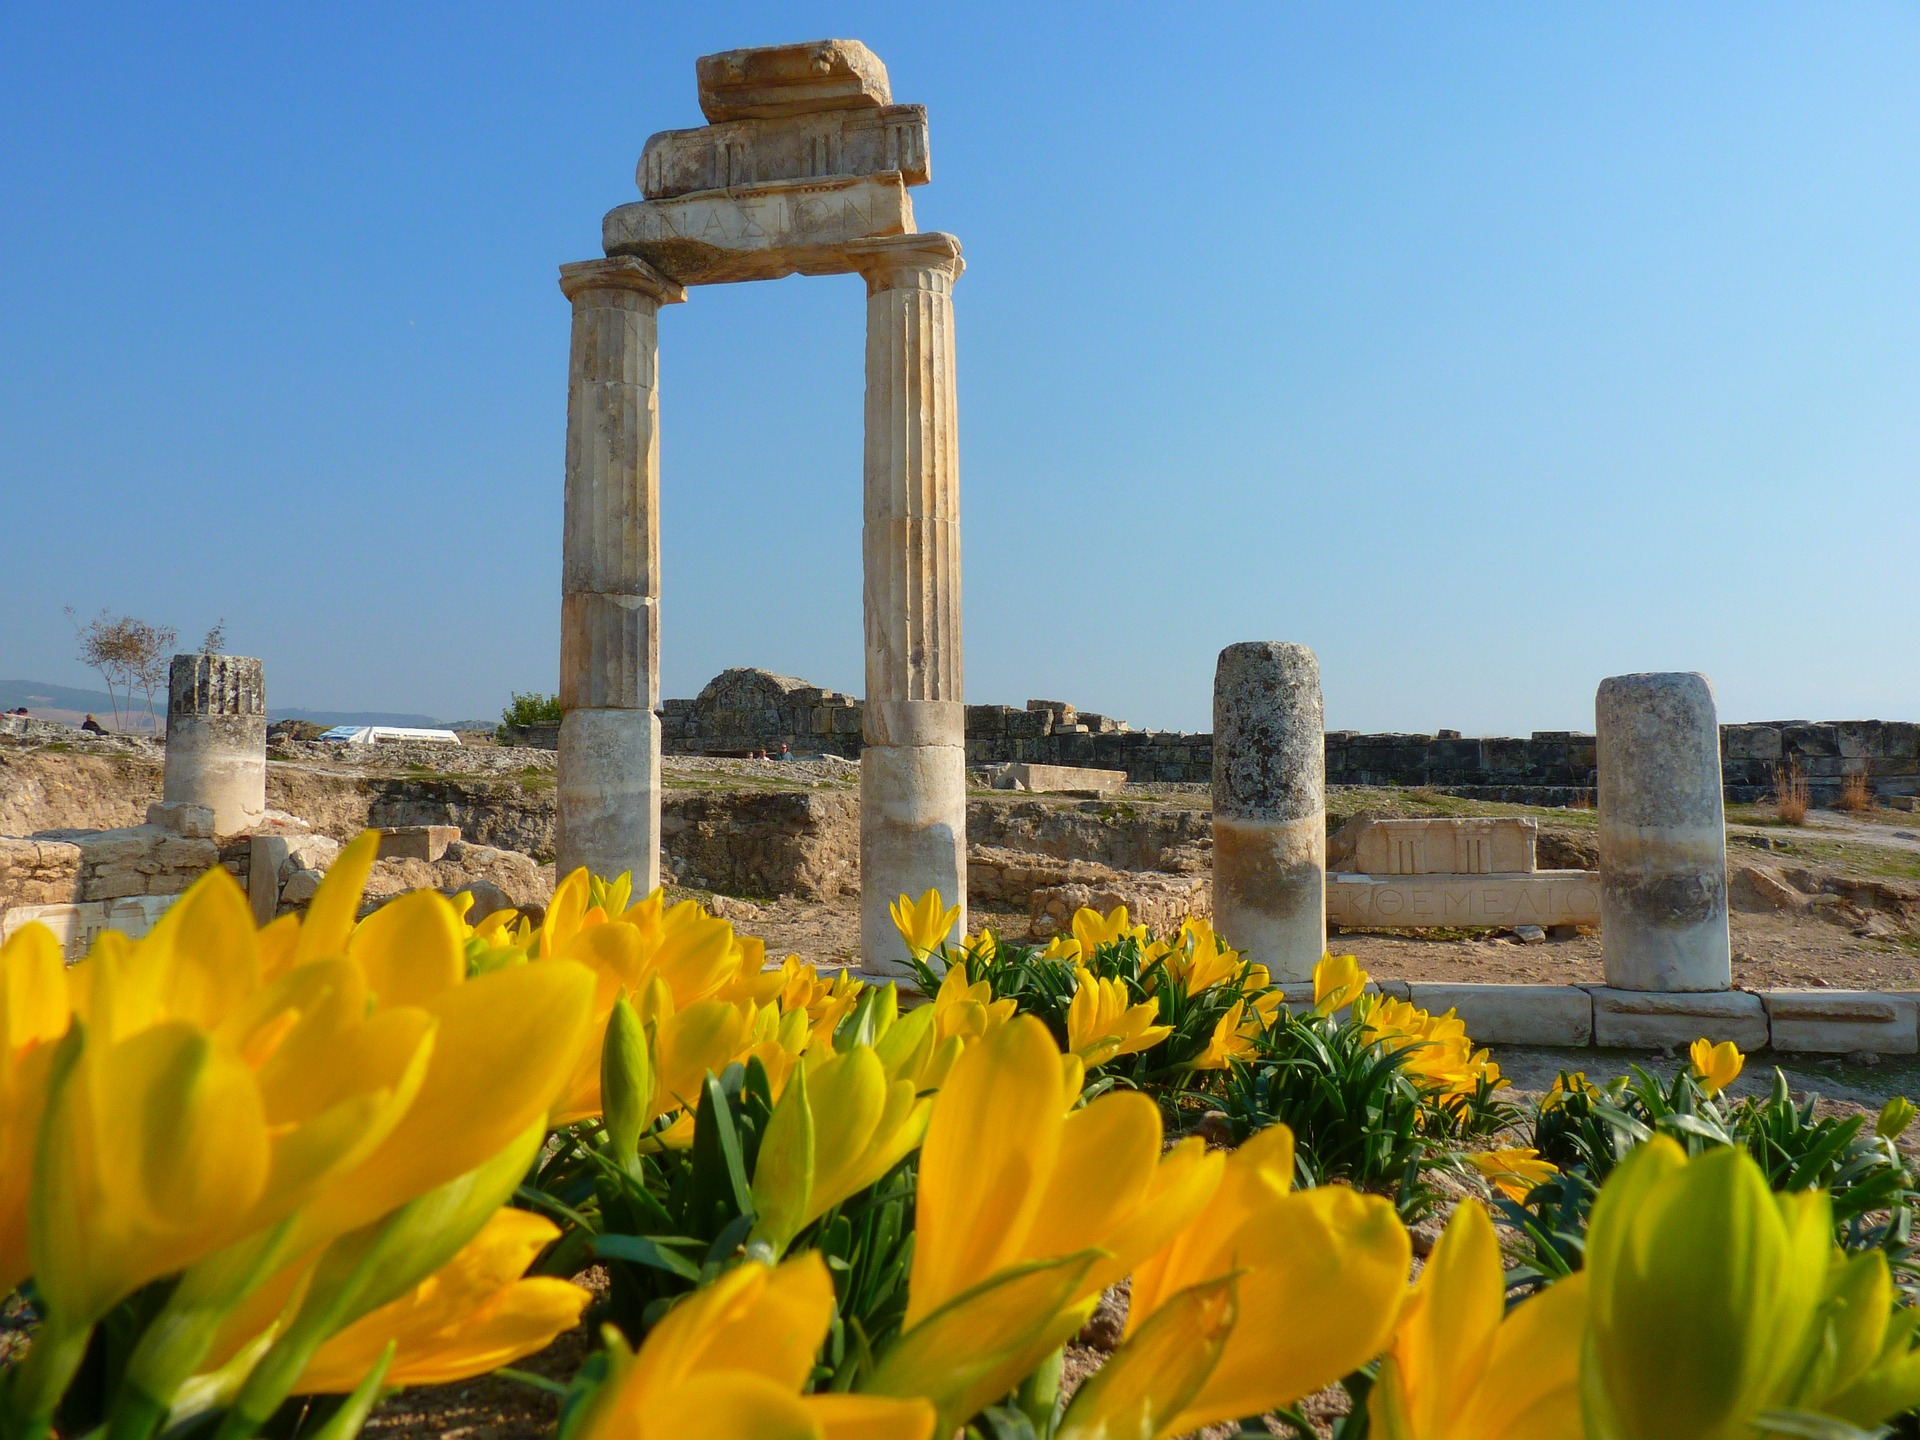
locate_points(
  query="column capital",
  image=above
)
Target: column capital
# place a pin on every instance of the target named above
(893, 261)
(620, 272)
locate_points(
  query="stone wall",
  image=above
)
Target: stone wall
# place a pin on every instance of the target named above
(744, 711)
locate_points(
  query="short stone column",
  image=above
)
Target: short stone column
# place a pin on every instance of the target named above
(1663, 835)
(608, 790)
(913, 790)
(1270, 806)
(217, 739)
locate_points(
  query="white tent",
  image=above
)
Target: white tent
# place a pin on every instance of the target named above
(379, 734)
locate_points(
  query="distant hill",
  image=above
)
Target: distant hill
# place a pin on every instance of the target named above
(64, 702)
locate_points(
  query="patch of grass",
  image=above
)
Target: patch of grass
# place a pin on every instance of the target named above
(1790, 797)
(1856, 795)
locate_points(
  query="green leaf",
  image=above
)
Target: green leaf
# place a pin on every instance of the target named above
(643, 1251)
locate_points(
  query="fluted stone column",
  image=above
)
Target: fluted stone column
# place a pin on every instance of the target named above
(609, 775)
(217, 739)
(913, 794)
(1663, 835)
(1270, 806)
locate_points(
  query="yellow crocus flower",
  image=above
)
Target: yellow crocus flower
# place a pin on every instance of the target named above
(967, 1010)
(1092, 929)
(153, 1148)
(1513, 1172)
(1202, 959)
(925, 924)
(1338, 981)
(1567, 1084)
(1101, 1026)
(1063, 947)
(1705, 1292)
(1024, 1212)
(471, 1316)
(838, 1127)
(1229, 1041)
(1464, 1368)
(1333, 1254)
(1894, 1118)
(1867, 1368)
(727, 1363)
(34, 1012)
(1716, 1066)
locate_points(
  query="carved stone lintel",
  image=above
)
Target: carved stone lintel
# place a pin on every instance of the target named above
(799, 147)
(761, 232)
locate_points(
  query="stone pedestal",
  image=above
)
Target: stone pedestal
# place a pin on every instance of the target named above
(1269, 806)
(913, 810)
(217, 738)
(1663, 835)
(609, 772)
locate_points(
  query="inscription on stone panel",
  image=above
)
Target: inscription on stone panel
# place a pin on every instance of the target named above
(1547, 897)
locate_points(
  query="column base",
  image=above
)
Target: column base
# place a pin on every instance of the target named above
(913, 837)
(608, 813)
(1665, 932)
(1270, 891)
(219, 761)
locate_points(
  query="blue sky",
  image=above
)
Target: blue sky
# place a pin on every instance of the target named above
(1488, 350)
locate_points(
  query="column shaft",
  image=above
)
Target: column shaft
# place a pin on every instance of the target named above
(1663, 835)
(608, 797)
(913, 809)
(1269, 806)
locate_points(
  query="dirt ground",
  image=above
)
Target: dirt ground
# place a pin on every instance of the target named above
(1769, 951)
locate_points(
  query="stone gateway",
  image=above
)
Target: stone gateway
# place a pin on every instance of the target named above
(804, 171)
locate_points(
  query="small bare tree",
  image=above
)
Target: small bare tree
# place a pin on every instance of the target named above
(130, 655)
(216, 640)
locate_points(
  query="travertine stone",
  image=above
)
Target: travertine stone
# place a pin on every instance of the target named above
(76, 927)
(1663, 835)
(772, 80)
(217, 738)
(1513, 1014)
(195, 822)
(608, 797)
(760, 232)
(267, 855)
(1545, 897)
(913, 768)
(416, 842)
(913, 837)
(1649, 1020)
(1046, 779)
(799, 147)
(1269, 806)
(1493, 845)
(1838, 1021)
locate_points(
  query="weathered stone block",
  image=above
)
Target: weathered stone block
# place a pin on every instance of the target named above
(265, 856)
(38, 872)
(1651, 1020)
(767, 81)
(760, 232)
(183, 818)
(1546, 897)
(416, 842)
(1045, 779)
(1492, 846)
(77, 926)
(799, 147)
(1514, 1014)
(1839, 1021)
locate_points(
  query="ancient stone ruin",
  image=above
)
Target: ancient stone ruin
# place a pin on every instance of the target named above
(804, 169)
